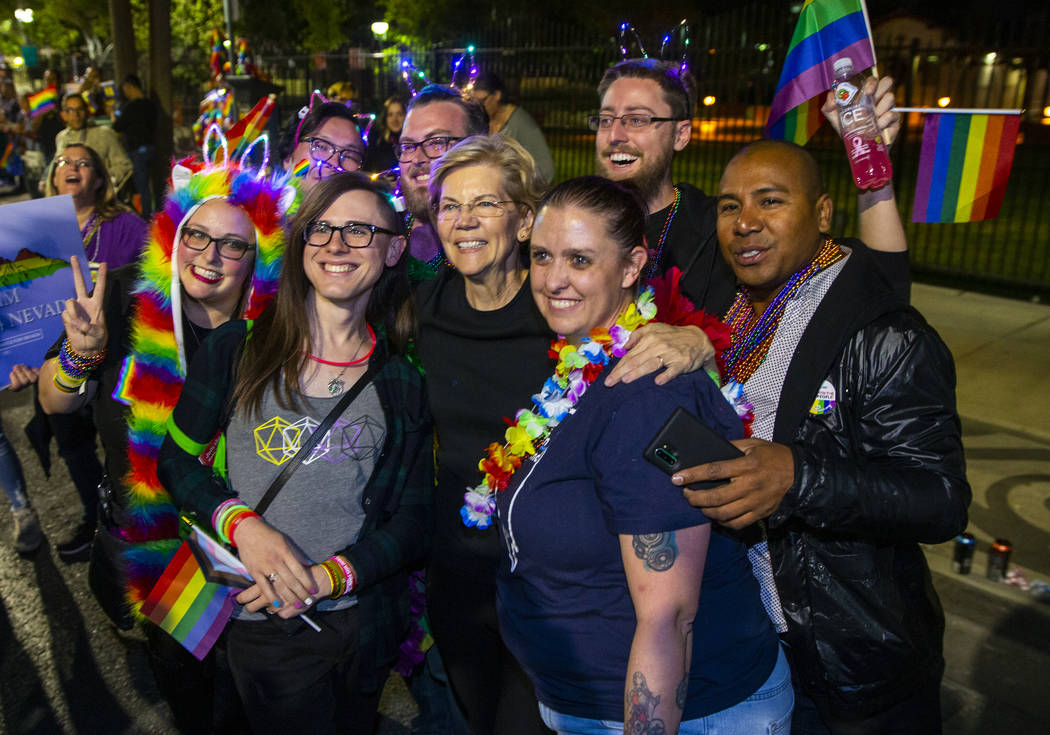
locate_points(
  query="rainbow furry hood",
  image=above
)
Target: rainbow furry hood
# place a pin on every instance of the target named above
(155, 368)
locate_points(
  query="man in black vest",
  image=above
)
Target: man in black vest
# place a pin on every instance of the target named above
(855, 457)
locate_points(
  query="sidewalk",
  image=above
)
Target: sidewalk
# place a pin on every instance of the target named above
(997, 638)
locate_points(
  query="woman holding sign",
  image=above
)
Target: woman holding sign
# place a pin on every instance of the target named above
(213, 254)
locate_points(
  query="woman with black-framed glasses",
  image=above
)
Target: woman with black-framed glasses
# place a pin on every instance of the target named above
(338, 539)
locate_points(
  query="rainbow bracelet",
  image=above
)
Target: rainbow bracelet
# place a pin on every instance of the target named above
(227, 516)
(75, 365)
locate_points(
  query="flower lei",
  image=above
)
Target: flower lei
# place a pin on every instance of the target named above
(577, 368)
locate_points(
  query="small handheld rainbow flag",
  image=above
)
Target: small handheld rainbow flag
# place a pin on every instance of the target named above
(827, 30)
(964, 166)
(42, 101)
(193, 601)
(250, 127)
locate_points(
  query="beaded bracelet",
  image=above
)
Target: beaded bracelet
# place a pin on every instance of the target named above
(76, 365)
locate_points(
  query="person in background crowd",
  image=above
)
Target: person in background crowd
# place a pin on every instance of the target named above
(26, 534)
(382, 143)
(510, 119)
(341, 93)
(325, 138)
(101, 139)
(12, 125)
(855, 457)
(646, 119)
(136, 121)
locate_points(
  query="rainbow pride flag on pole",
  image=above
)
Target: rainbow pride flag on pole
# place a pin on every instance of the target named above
(827, 30)
(193, 601)
(964, 166)
(42, 101)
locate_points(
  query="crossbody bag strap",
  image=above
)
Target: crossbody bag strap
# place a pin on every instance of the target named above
(316, 436)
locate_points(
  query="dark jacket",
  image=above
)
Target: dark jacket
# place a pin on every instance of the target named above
(876, 475)
(396, 501)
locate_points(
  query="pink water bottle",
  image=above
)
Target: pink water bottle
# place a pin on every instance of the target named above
(865, 147)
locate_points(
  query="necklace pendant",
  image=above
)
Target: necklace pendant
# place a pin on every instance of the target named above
(336, 385)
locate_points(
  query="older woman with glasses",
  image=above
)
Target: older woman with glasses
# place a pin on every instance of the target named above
(340, 535)
(483, 344)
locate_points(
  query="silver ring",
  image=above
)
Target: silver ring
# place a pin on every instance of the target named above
(661, 359)
(272, 576)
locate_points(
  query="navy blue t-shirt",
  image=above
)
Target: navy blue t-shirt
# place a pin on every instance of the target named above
(564, 606)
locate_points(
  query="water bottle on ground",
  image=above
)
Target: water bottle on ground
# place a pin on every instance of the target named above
(865, 146)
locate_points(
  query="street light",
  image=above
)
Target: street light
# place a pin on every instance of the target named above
(24, 15)
(379, 28)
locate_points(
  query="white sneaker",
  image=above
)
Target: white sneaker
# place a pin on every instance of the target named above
(27, 530)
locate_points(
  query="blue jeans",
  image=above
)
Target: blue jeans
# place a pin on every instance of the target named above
(767, 711)
(11, 474)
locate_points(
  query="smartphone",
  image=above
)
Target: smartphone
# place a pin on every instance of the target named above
(686, 441)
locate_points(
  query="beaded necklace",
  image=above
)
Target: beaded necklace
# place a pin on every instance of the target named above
(654, 262)
(752, 337)
(439, 258)
(89, 232)
(577, 368)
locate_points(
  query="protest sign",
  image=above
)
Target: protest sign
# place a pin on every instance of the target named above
(37, 239)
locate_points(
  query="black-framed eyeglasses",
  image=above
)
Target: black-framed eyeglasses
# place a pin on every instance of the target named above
(354, 234)
(349, 159)
(432, 147)
(229, 247)
(631, 121)
(450, 210)
(77, 163)
(71, 110)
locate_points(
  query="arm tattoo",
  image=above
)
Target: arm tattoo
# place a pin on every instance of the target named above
(681, 692)
(657, 550)
(641, 704)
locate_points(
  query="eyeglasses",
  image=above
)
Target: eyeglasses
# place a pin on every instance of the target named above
(354, 234)
(631, 121)
(322, 150)
(77, 163)
(71, 110)
(229, 247)
(479, 207)
(432, 147)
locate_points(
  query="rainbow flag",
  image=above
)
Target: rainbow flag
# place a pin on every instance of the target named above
(827, 30)
(192, 609)
(42, 101)
(964, 165)
(250, 127)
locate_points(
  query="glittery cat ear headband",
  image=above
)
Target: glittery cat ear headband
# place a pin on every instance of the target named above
(464, 64)
(676, 41)
(364, 121)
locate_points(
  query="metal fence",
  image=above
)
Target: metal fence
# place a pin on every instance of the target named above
(737, 65)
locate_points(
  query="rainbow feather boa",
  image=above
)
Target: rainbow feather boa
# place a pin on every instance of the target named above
(153, 371)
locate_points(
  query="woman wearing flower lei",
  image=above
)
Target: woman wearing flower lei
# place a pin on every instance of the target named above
(483, 344)
(600, 587)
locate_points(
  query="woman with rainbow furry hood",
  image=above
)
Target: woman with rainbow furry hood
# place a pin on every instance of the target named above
(213, 254)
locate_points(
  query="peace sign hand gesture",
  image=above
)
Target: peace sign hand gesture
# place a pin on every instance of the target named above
(83, 316)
